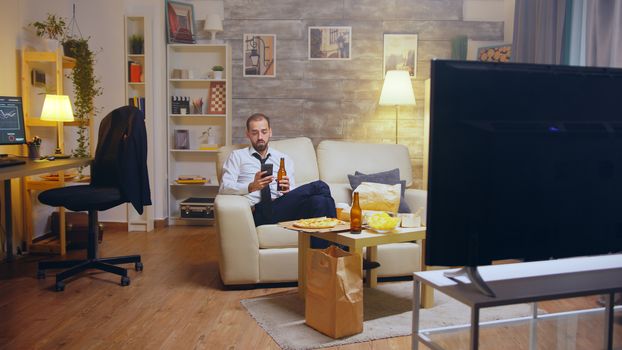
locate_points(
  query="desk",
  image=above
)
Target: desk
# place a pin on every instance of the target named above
(524, 283)
(30, 168)
(355, 244)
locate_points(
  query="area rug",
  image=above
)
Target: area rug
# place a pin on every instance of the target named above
(387, 310)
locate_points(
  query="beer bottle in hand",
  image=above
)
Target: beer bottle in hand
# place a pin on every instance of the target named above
(356, 215)
(282, 172)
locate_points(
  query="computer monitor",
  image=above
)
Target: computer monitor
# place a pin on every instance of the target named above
(12, 130)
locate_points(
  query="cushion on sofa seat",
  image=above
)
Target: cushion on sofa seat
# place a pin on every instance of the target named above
(378, 197)
(390, 177)
(274, 236)
(302, 152)
(337, 159)
(341, 192)
(278, 265)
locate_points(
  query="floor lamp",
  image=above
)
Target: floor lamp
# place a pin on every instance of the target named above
(57, 108)
(397, 91)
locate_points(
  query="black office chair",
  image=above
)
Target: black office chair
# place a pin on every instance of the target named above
(118, 175)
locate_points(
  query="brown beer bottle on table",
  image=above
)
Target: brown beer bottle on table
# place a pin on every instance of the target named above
(356, 215)
(282, 172)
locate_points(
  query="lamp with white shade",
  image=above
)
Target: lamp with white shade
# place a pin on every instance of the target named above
(397, 90)
(213, 24)
(57, 108)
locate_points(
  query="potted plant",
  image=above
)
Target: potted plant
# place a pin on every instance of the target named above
(70, 46)
(86, 88)
(137, 44)
(218, 71)
(53, 28)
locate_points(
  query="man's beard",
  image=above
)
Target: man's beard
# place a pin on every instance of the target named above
(260, 147)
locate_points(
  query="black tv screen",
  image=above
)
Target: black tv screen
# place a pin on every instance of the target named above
(525, 162)
(12, 131)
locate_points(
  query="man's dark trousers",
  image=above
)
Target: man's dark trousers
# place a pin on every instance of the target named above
(307, 201)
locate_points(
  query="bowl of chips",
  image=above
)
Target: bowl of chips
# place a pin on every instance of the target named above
(383, 222)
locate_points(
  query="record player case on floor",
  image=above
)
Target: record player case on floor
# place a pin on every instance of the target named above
(197, 208)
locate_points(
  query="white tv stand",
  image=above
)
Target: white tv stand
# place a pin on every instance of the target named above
(524, 283)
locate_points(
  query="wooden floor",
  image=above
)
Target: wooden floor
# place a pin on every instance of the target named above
(177, 302)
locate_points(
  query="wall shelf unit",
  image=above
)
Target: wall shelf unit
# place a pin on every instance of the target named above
(56, 66)
(139, 93)
(194, 134)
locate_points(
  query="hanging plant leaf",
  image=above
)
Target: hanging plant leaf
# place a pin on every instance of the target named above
(86, 88)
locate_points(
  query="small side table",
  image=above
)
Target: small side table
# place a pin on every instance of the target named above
(524, 283)
(356, 243)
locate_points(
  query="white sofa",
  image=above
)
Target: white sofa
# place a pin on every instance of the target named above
(268, 253)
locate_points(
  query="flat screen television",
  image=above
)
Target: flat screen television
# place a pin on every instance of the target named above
(12, 131)
(525, 162)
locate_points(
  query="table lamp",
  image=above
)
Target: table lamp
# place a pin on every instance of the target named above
(213, 24)
(397, 91)
(57, 108)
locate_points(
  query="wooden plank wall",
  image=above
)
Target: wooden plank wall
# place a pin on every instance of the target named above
(339, 99)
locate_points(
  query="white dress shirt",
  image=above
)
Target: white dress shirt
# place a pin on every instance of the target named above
(240, 168)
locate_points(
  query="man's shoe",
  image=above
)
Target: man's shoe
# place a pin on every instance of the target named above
(368, 265)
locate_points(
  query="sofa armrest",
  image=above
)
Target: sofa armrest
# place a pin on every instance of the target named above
(239, 244)
(417, 199)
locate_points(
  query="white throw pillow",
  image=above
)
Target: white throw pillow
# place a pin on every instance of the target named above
(376, 196)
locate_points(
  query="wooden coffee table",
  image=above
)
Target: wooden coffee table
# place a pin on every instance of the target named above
(355, 243)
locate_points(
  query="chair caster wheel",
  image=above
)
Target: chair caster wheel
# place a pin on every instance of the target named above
(138, 266)
(125, 281)
(40, 274)
(59, 286)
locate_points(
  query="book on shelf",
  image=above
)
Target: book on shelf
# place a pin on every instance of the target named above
(190, 177)
(135, 70)
(209, 147)
(191, 180)
(138, 102)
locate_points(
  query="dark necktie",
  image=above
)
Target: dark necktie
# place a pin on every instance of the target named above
(265, 192)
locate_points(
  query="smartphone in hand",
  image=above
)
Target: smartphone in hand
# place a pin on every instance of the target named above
(268, 168)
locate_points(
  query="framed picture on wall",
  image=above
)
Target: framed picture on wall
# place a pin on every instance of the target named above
(182, 139)
(400, 53)
(496, 53)
(330, 43)
(259, 55)
(179, 22)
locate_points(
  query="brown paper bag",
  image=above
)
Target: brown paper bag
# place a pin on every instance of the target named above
(334, 292)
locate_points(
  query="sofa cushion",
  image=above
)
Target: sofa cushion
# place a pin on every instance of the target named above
(390, 177)
(301, 151)
(274, 236)
(337, 159)
(378, 197)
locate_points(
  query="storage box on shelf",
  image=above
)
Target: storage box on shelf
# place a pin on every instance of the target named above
(139, 93)
(199, 115)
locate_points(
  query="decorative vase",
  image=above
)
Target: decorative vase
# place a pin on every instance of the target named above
(217, 74)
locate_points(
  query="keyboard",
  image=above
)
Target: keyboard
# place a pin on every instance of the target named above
(4, 161)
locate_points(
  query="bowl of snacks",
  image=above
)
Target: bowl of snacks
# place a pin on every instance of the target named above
(383, 222)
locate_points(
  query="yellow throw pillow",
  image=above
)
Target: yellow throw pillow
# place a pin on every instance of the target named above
(375, 196)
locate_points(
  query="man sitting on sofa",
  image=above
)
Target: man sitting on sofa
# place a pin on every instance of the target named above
(241, 174)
